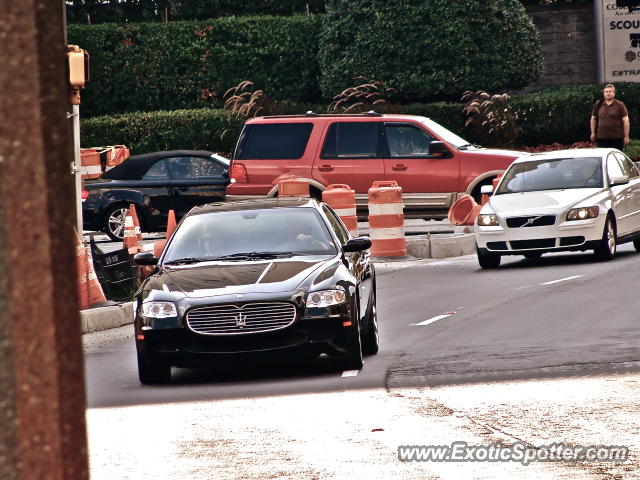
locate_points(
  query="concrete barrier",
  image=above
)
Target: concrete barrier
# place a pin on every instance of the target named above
(104, 318)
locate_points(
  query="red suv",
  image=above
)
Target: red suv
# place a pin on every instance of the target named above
(432, 165)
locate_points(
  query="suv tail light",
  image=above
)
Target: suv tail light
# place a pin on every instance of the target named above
(239, 173)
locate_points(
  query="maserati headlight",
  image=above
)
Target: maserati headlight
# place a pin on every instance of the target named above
(487, 220)
(159, 310)
(325, 298)
(582, 213)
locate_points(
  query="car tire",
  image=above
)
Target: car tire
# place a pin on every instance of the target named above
(487, 260)
(533, 255)
(113, 222)
(152, 372)
(606, 250)
(353, 360)
(371, 341)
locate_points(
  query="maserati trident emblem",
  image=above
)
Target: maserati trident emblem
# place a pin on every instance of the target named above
(241, 321)
(529, 222)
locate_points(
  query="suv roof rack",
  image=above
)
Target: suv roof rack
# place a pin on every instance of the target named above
(310, 113)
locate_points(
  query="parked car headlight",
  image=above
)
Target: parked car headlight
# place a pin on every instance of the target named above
(325, 298)
(582, 213)
(487, 220)
(159, 310)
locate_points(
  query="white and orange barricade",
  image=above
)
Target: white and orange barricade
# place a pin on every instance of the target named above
(342, 199)
(90, 166)
(292, 187)
(386, 220)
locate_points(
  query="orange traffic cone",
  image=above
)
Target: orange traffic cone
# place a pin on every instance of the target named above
(132, 236)
(171, 223)
(96, 294)
(81, 273)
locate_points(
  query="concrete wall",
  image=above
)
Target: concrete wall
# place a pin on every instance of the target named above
(568, 44)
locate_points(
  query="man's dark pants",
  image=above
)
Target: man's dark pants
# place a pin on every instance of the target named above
(610, 143)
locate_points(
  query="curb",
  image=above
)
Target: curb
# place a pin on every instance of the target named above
(104, 318)
(419, 247)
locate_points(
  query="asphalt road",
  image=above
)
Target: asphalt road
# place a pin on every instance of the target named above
(444, 324)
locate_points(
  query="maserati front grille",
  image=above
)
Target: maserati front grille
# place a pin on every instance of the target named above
(241, 319)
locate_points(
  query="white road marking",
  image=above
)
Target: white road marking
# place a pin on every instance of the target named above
(431, 320)
(350, 373)
(561, 280)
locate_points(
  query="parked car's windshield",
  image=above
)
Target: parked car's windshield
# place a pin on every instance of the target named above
(250, 234)
(449, 137)
(552, 174)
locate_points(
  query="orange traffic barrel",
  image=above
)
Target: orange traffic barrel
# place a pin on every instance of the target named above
(386, 220)
(116, 154)
(90, 166)
(464, 211)
(292, 187)
(342, 199)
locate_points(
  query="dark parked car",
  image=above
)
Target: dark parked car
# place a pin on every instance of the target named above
(245, 279)
(156, 183)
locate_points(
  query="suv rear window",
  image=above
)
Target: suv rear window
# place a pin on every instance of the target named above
(273, 141)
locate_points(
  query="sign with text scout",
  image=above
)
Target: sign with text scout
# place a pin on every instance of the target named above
(617, 41)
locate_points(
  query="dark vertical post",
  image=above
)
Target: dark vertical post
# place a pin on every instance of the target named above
(42, 400)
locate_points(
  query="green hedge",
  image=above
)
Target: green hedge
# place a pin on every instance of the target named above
(431, 49)
(153, 66)
(145, 132)
(562, 114)
(548, 116)
(121, 11)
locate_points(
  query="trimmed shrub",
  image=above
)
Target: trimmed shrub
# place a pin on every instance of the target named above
(153, 66)
(429, 49)
(145, 132)
(83, 11)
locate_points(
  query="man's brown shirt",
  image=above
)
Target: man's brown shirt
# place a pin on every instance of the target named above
(610, 119)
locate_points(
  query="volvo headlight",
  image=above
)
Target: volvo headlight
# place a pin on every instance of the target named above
(487, 220)
(325, 298)
(159, 310)
(582, 213)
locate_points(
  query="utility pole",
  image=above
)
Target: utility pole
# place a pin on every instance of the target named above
(78, 77)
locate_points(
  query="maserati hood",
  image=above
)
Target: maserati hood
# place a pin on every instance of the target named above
(213, 279)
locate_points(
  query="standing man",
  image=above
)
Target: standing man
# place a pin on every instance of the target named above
(610, 121)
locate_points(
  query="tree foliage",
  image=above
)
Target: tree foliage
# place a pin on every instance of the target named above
(428, 49)
(128, 11)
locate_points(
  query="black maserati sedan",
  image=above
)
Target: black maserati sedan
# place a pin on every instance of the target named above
(250, 278)
(155, 183)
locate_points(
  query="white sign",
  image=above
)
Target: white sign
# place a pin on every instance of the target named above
(618, 42)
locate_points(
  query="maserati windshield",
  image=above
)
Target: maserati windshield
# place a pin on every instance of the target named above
(249, 235)
(552, 174)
